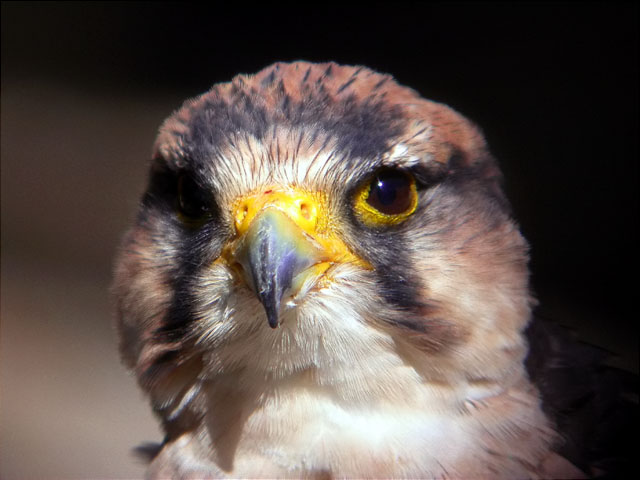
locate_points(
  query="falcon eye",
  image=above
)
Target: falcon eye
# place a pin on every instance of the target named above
(389, 197)
(390, 192)
(194, 202)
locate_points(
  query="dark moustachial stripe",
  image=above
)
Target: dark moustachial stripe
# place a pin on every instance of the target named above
(396, 283)
(413, 315)
(192, 244)
(387, 250)
(197, 249)
(179, 317)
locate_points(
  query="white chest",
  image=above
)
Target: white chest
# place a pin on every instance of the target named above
(304, 432)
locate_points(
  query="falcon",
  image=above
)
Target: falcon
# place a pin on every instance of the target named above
(324, 280)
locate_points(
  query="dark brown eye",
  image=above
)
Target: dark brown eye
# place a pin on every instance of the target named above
(194, 202)
(387, 198)
(391, 192)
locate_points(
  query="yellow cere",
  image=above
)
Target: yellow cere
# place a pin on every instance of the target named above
(307, 209)
(372, 216)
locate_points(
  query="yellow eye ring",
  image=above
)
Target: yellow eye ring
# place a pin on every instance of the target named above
(387, 198)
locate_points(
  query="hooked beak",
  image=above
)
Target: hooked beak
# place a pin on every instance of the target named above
(283, 242)
(272, 253)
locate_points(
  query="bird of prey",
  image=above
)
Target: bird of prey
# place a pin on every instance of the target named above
(324, 280)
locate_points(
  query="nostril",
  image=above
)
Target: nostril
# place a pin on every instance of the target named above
(305, 210)
(242, 214)
(237, 266)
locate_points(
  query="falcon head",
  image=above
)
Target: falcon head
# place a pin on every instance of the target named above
(324, 279)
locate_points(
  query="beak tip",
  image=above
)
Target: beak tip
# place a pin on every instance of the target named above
(272, 252)
(271, 309)
(273, 321)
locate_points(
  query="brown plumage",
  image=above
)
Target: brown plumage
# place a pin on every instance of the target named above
(368, 227)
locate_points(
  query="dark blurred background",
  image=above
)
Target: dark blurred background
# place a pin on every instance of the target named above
(85, 86)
